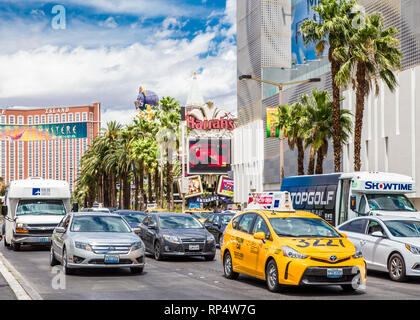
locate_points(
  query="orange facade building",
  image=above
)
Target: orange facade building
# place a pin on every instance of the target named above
(57, 158)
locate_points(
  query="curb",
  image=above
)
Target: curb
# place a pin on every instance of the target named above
(21, 288)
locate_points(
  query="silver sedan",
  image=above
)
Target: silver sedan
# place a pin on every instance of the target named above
(96, 240)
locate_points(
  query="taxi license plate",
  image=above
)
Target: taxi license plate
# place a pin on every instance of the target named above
(111, 259)
(44, 240)
(334, 273)
(194, 247)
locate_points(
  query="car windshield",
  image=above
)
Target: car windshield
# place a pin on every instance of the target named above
(389, 202)
(302, 227)
(226, 218)
(400, 228)
(201, 215)
(134, 217)
(99, 224)
(41, 207)
(179, 222)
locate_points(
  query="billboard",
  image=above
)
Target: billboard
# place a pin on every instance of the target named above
(225, 186)
(301, 11)
(69, 130)
(272, 130)
(209, 155)
(195, 187)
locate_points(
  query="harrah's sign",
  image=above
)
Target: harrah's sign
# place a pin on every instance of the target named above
(194, 123)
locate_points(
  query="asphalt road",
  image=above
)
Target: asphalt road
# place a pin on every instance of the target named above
(180, 279)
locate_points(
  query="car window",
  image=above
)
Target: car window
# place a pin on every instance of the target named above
(374, 226)
(210, 218)
(357, 226)
(65, 222)
(235, 222)
(246, 222)
(261, 226)
(146, 221)
(216, 220)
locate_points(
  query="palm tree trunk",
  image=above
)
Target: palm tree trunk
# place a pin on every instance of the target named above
(335, 67)
(311, 164)
(301, 157)
(169, 186)
(319, 161)
(149, 186)
(126, 191)
(156, 184)
(120, 204)
(360, 104)
(141, 184)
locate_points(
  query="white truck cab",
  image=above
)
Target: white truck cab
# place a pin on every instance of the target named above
(375, 193)
(33, 208)
(338, 197)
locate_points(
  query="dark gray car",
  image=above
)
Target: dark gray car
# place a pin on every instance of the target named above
(176, 234)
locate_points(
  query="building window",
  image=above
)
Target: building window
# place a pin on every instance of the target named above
(50, 118)
(36, 119)
(70, 117)
(11, 119)
(57, 118)
(30, 120)
(43, 118)
(84, 116)
(20, 119)
(63, 117)
(3, 119)
(77, 116)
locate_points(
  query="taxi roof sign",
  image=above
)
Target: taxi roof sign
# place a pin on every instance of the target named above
(276, 201)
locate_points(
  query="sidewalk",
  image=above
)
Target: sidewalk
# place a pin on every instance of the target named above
(6, 293)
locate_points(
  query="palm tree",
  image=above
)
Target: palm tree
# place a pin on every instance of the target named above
(371, 54)
(318, 126)
(332, 28)
(289, 120)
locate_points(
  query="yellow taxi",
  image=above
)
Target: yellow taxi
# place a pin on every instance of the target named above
(275, 243)
(155, 210)
(200, 214)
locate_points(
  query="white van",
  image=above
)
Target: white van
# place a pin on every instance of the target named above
(339, 197)
(33, 208)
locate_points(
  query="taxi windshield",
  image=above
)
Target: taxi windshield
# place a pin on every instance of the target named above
(302, 227)
(389, 202)
(41, 207)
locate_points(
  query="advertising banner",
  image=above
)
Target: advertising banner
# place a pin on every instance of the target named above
(195, 187)
(225, 186)
(209, 156)
(301, 11)
(43, 131)
(272, 130)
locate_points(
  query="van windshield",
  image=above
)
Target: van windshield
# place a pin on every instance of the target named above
(41, 207)
(389, 202)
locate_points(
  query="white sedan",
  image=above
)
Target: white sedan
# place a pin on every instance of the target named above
(390, 244)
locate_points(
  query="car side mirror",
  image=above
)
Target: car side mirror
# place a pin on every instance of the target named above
(4, 211)
(378, 234)
(259, 236)
(60, 230)
(152, 226)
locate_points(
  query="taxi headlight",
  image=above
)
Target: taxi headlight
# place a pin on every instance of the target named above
(173, 239)
(358, 254)
(292, 253)
(83, 246)
(137, 246)
(413, 249)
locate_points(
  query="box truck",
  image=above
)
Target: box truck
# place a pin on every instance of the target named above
(339, 197)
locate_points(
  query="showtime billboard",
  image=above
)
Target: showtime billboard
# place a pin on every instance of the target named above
(209, 155)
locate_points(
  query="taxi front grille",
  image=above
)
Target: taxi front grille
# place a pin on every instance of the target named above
(329, 261)
(318, 275)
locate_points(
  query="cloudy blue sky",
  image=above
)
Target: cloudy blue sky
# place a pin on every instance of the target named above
(110, 47)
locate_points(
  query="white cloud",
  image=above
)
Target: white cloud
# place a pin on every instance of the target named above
(109, 23)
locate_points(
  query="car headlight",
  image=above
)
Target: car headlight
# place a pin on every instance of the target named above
(83, 246)
(210, 238)
(413, 249)
(137, 246)
(358, 253)
(21, 228)
(292, 253)
(173, 239)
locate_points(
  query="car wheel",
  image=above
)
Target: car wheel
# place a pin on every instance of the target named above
(272, 277)
(66, 269)
(136, 270)
(158, 252)
(228, 267)
(53, 259)
(209, 258)
(396, 267)
(15, 246)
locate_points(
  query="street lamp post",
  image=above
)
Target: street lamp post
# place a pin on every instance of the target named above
(280, 86)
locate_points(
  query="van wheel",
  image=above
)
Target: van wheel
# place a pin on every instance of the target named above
(15, 246)
(272, 277)
(228, 267)
(396, 267)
